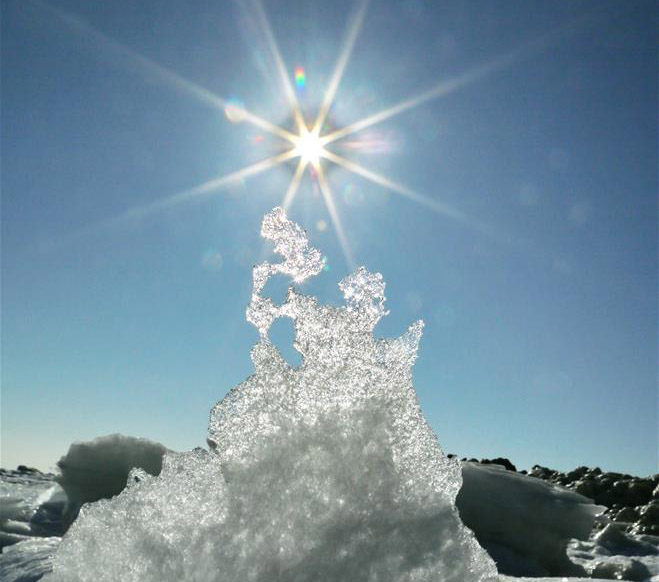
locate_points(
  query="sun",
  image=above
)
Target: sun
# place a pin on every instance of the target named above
(304, 142)
(309, 147)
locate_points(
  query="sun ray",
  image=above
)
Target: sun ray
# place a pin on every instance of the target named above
(353, 30)
(202, 190)
(121, 55)
(281, 67)
(417, 197)
(294, 185)
(336, 221)
(444, 88)
(266, 125)
(394, 186)
(307, 142)
(440, 90)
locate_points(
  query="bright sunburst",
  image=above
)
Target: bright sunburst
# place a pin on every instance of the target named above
(305, 143)
(309, 147)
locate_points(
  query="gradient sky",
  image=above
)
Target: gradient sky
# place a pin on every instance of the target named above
(541, 309)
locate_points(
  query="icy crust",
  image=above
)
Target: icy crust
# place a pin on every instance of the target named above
(323, 473)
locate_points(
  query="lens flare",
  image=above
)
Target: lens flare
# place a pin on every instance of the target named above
(235, 111)
(300, 78)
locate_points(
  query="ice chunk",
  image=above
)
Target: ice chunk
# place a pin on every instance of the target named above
(524, 522)
(28, 560)
(327, 472)
(98, 469)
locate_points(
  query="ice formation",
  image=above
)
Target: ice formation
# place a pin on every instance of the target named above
(327, 472)
(99, 468)
(524, 523)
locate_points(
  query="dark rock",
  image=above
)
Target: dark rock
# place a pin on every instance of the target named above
(541, 472)
(586, 488)
(649, 514)
(613, 476)
(639, 492)
(626, 515)
(620, 487)
(604, 482)
(577, 473)
(500, 461)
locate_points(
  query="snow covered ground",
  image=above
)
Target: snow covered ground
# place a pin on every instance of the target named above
(34, 506)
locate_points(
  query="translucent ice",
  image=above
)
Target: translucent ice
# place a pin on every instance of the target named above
(327, 472)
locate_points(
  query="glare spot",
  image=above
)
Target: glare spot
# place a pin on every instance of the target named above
(321, 225)
(235, 111)
(212, 260)
(352, 195)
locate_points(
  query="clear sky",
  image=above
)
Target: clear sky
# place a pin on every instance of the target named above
(532, 259)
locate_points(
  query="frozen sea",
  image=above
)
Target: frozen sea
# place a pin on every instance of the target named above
(32, 506)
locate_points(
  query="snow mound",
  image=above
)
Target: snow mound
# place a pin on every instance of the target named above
(98, 469)
(325, 472)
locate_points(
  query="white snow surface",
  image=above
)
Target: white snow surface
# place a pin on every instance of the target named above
(324, 472)
(612, 554)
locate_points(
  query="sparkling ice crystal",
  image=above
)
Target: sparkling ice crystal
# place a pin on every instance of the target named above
(326, 472)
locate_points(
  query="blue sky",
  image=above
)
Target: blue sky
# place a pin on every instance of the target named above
(540, 307)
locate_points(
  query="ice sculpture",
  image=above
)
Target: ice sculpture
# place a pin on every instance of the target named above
(326, 472)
